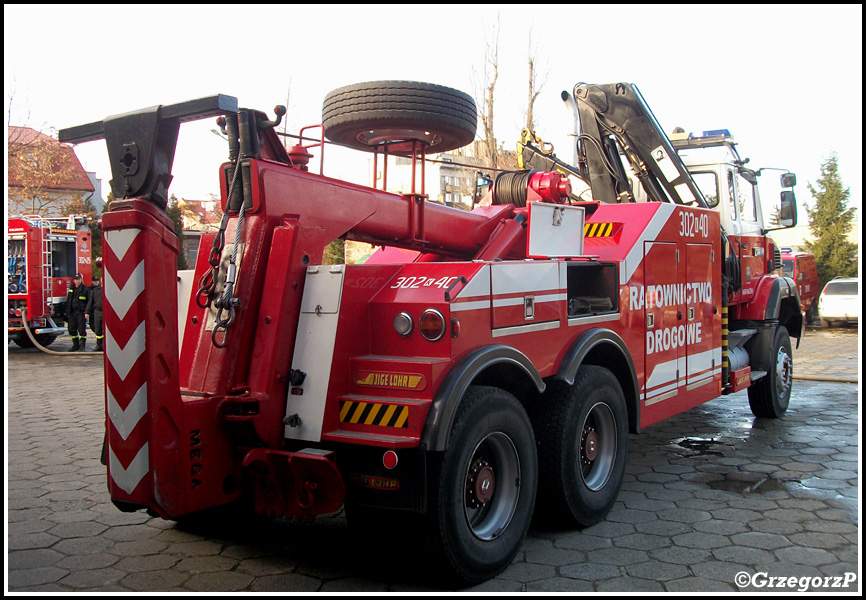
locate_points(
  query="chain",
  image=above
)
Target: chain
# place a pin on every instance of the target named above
(207, 283)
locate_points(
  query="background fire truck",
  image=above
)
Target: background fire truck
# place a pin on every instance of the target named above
(43, 254)
(800, 266)
(503, 361)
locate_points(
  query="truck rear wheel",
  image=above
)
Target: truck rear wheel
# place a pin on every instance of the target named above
(43, 339)
(582, 447)
(770, 395)
(483, 493)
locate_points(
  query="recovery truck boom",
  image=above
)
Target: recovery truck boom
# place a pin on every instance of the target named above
(504, 364)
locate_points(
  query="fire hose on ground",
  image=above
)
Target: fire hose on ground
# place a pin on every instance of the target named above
(46, 350)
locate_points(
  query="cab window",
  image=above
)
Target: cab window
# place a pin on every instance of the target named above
(746, 199)
(708, 183)
(732, 201)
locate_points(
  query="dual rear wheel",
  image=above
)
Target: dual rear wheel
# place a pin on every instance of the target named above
(571, 449)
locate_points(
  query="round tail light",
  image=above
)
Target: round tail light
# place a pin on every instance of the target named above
(403, 324)
(431, 325)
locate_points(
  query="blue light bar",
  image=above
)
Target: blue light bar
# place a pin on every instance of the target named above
(711, 133)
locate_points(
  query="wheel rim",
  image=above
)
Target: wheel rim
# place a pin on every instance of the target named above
(492, 486)
(784, 374)
(597, 446)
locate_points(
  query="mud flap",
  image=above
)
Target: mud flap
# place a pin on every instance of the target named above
(295, 484)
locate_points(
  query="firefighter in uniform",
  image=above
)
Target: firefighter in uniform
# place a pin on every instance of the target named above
(94, 311)
(76, 307)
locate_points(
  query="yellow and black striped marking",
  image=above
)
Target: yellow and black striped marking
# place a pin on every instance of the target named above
(374, 413)
(598, 230)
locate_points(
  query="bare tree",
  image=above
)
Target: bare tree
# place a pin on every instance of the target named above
(536, 83)
(484, 91)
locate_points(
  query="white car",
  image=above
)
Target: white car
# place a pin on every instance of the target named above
(840, 302)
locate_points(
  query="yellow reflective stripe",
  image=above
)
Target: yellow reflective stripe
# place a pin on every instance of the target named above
(345, 410)
(357, 414)
(402, 418)
(386, 418)
(372, 416)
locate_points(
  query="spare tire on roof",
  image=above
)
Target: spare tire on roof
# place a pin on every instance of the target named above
(369, 116)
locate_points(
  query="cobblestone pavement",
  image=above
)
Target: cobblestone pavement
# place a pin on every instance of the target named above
(708, 494)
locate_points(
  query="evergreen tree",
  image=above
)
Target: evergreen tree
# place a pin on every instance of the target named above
(174, 212)
(335, 253)
(830, 222)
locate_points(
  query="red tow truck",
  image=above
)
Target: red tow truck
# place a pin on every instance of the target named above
(498, 367)
(43, 254)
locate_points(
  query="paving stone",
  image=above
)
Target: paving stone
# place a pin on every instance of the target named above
(554, 556)
(778, 527)
(739, 554)
(524, 571)
(697, 584)
(29, 577)
(153, 562)
(285, 581)
(590, 571)
(684, 515)
(155, 581)
(32, 541)
(629, 584)
(765, 541)
(83, 562)
(93, 578)
(805, 556)
(657, 571)
(205, 564)
(583, 543)
(617, 556)
(559, 584)
(86, 529)
(642, 541)
(142, 547)
(704, 541)
(724, 528)
(196, 548)
(818, 540)
(352, 584)
(35, 558)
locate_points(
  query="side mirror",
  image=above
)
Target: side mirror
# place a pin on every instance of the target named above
(788, 180)
(788, 211)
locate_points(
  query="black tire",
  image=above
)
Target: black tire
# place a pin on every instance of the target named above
(43, 339)
(582, 433)
(812, 316)
(770, 395)
(23, 341)
(482, 495)
(366, 115)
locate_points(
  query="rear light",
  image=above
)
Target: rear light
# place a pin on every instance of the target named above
(17, 312)
(431, 325)
(389, 460)
(403, 324)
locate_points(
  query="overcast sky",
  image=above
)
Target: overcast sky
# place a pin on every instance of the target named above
(785, 79)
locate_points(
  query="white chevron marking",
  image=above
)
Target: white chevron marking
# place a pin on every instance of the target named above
(120, 240)
(121, 299)
(122, 359)
(129, 477)
(125, 420)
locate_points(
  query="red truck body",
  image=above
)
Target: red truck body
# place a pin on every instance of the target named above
(421, 384)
